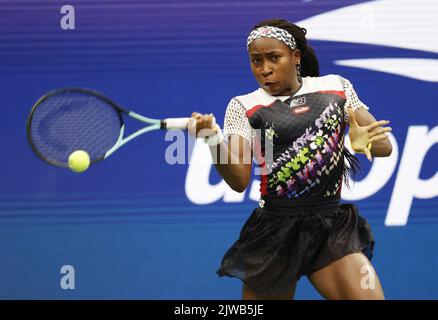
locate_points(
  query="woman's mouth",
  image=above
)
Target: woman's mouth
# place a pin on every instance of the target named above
(269, 84)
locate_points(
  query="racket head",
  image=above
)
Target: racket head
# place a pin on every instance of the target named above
(69, 119)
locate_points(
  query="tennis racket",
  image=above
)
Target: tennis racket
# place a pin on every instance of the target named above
(70, 119)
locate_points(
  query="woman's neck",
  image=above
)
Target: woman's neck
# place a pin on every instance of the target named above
(295, 88)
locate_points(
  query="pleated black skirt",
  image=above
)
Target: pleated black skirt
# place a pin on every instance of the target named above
(279, 244)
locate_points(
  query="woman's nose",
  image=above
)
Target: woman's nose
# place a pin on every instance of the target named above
(266, 71)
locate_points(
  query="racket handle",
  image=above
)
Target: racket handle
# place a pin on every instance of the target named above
(175, 123)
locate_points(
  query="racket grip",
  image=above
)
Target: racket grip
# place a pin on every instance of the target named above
(175, 123)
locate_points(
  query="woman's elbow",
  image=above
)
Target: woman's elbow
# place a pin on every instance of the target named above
(239, 178)
(240, 185)
(389, 150)
(386, 149)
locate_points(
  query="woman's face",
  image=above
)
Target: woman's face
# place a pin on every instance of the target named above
(273, 64)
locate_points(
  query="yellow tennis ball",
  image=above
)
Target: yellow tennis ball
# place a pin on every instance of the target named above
(79, 161)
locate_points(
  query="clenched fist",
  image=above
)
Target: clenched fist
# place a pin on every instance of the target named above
(203, 125)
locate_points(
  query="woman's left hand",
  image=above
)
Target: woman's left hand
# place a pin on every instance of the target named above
(362, 137)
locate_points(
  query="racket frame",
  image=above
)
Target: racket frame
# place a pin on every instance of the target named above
(155, 123)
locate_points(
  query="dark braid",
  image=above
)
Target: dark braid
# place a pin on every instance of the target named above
(309, 62)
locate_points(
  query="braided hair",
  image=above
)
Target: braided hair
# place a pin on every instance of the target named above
(309, 62)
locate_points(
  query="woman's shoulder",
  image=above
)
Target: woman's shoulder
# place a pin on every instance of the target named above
(323, 83)
(327, 77)
(254, 98)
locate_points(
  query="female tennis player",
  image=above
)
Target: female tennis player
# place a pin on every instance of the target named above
(299, 228)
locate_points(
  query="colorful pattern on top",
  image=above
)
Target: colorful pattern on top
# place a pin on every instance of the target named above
(306, 136)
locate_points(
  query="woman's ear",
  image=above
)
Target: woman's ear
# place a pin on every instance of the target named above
(297, 55)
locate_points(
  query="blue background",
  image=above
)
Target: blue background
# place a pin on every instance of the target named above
(126, 225)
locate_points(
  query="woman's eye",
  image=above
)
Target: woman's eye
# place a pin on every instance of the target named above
(274, 58)
(256, 61)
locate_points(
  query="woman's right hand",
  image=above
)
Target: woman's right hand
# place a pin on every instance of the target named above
(202, 125)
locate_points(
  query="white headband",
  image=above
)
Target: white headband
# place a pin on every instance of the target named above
(272, 32)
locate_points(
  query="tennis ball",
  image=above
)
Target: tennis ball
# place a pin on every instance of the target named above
(79, 161)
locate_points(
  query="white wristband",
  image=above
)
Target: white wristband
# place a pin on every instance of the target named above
(216, 139)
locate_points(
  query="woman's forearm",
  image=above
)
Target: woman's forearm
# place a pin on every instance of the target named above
(233, 165)
(233, 160)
